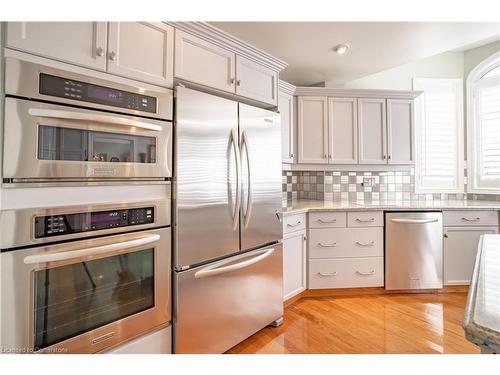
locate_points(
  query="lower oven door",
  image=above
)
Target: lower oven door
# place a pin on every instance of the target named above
(46, 142)
(222, 303)
(85, 296)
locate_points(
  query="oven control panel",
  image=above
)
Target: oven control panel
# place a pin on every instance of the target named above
(87, 92)
(57, 225)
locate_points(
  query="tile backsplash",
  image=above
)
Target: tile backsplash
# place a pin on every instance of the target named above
(360, 186)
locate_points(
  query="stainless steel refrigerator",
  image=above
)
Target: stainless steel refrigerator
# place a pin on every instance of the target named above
(228, 277)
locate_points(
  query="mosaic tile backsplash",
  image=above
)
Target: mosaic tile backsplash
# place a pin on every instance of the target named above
(360, 186)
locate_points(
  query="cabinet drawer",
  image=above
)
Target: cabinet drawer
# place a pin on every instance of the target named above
(470, 218)
(294, 223)
(327, 220)
(346, 242)
(346, 273)
(365, 219)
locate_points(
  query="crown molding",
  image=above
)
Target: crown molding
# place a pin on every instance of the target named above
(222, 39)
(357, 93)
(286, 87)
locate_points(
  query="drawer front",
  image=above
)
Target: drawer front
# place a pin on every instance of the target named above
(346, 273)
(365, 219)
(294, 223)
(327, 220)
(346, 242)
(470, 218)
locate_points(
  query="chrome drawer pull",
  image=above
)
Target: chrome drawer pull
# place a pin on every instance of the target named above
(327, 221)
(371, 243)
(333, 244)
(370, 220)
(294, 225)
(472, 219)
(326, 274)
(372, 272)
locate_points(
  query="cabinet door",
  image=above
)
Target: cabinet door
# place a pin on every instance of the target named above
(343, 120)
(142, 51)
(400, 139)
(294, 264)
(204, 63)
(460, 249)
(79, 43)
(313, 129)
(256, 81)
(372, 131)
(285, 106)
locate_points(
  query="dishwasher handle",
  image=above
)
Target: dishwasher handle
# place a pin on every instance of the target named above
(414, 221)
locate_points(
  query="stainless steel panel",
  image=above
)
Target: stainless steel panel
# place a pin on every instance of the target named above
(220, 304)
(17, 272)
(207, 156)
(17, 226)
(22, 79)
(21, 143)
(414, 250)
(260, 144)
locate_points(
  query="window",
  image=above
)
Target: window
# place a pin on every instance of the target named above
(483, 126)
(439, 136)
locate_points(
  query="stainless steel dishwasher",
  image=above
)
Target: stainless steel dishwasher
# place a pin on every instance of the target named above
(413, 250)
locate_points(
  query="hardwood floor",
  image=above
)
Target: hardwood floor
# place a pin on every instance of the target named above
(389, 323)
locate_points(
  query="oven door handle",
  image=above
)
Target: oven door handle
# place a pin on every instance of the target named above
(90, 251)
(84, 116)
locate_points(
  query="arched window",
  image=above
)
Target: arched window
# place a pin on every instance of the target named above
(483, 127)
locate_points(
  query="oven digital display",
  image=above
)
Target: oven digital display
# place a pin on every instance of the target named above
(105, 217)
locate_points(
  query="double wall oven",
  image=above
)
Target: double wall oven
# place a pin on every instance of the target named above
(83, 279)
(66, 127)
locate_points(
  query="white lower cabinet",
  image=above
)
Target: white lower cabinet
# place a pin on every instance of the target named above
(460, 249)
(294, 264)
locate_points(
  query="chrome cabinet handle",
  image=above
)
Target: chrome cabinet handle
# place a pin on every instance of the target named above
(90, 251)
(214, 270)
(238, 82)
(471, 219)
(333, 244)
(370, 220)
(389, 157)
(326, 274)
(245, 145)
(237, 206)
(112, 56)
(99, 52)
(84, 116)
(232, 80)
(327, 221)
(292, 155)
(366, 274)
(383, 157)
(294, 225)
(371, 243)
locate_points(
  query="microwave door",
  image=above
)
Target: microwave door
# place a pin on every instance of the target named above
(260, 144)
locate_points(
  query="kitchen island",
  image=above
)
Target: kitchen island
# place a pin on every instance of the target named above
(482, 312)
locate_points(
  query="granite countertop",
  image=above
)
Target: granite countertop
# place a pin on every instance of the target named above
(301, 206)
(482, 312)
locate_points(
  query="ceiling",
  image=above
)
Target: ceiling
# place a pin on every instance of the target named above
(375, 46)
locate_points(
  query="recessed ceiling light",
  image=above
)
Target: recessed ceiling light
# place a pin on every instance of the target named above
(341, 48)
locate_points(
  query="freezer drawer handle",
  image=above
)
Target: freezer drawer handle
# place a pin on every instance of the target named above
(327, 221)
(209, 271)
(294, 225)
(414, 221)
(371, 243)
(333, 244)
(370, 220)
(471, 219)
(83, 116)
(91, 251)
(327, 274)
(372, 272)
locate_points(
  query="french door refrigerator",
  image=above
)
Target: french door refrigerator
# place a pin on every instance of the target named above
(228, 277)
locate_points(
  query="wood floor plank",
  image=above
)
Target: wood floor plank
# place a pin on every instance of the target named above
(367, 324)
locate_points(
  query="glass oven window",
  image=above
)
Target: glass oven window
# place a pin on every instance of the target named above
(57, 143)
(77, 298)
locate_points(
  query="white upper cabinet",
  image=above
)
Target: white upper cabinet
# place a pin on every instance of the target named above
(79, 43)
(400, 138)
(313, 129)
(199, 61)
(286, 108)
(372, 131)
(255, 81)
(343, 124)
(142, 51)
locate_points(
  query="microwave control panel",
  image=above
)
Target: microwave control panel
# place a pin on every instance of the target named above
(57, 225)
(87, 92)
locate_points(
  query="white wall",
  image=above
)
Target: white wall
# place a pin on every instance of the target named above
(474, 56)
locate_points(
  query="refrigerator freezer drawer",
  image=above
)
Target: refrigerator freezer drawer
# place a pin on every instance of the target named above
(220, 304)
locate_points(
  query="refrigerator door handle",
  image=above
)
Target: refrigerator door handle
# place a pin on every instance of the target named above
(237, 206)
(211, 271)
(248, 209)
